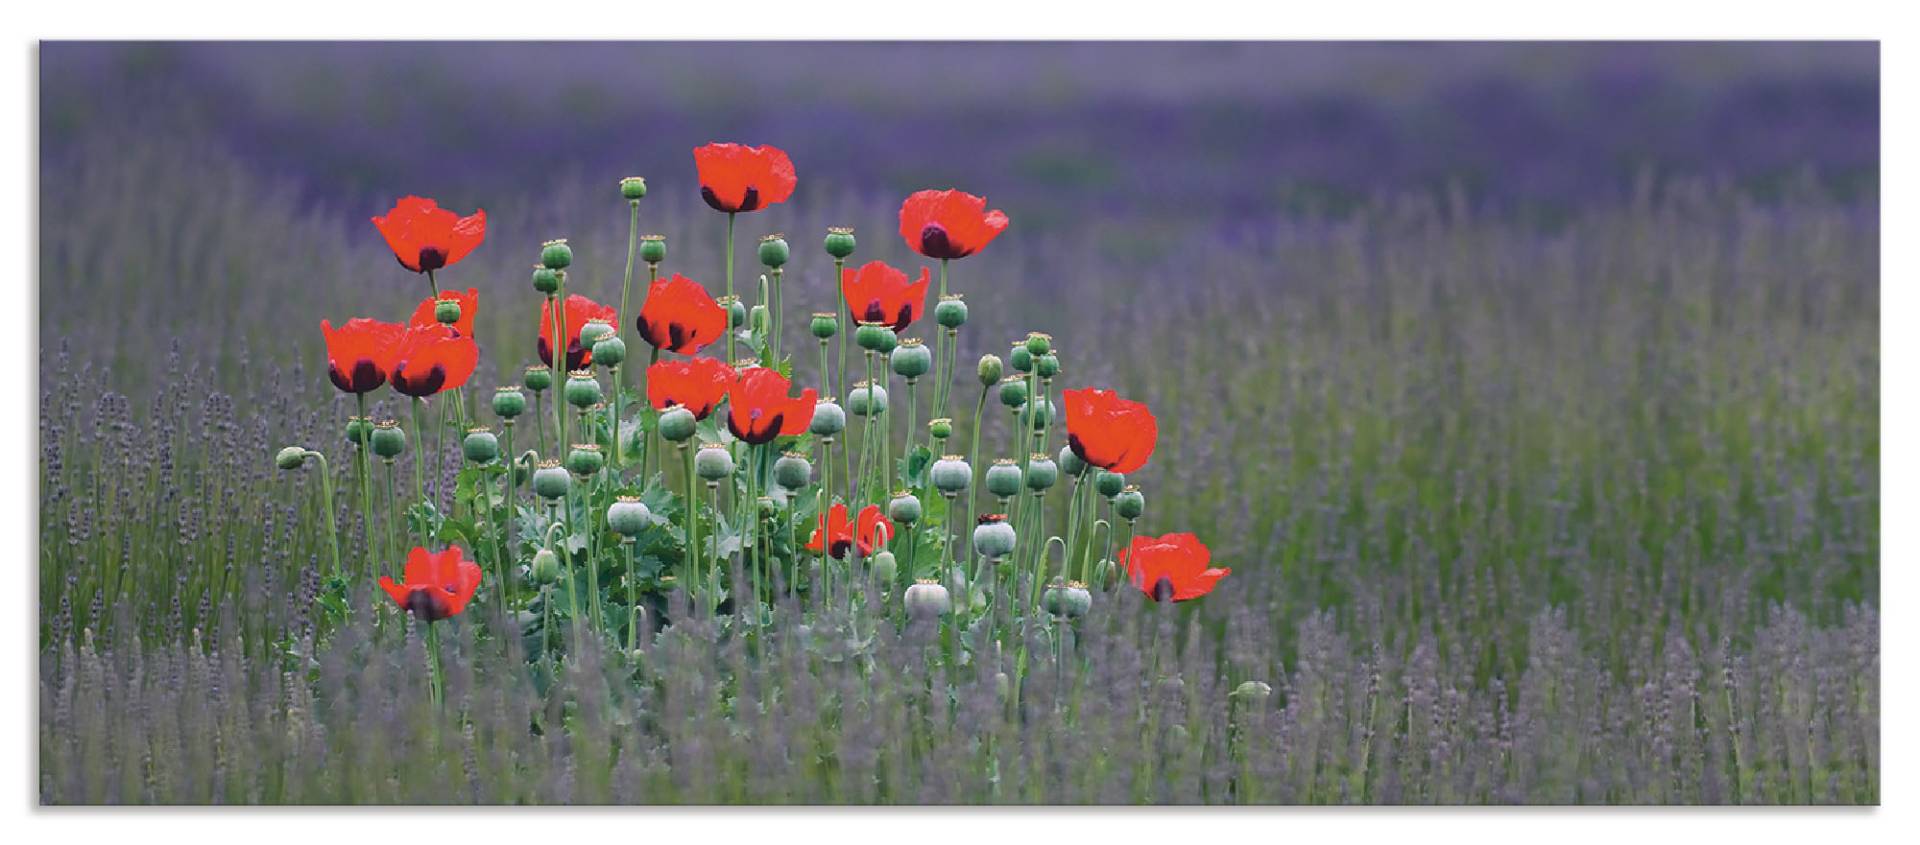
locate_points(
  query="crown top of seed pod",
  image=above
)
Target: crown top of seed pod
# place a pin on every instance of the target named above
(509, 388)
(1040, 456)
(579, 373)
(554, 242)
(952, 457)
(840, 230)
(550, 463)
(793, 454)
(539, 367)
(881, 323)
(938, 420)
(726, 299)
(952, 297)
(626, 498)
(747, 364)
(825, 402)
(653, 237)
(591, 447)
(1131, 488)
(706, 446)
(1003, 462)
(479, 429)
(862, 383)
(776, 236)
(1076, 585)
(912, 341)
(359, 419)
(827, 314)
(933, 581)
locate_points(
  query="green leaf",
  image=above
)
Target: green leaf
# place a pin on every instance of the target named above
(913, 467)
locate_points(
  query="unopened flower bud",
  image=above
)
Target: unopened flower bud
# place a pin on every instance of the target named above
(537, 378)
(883, 567)
(585, 459)
(582, 390)
(828, 419)
(1129, 504)
(480, 446)
(1106, 574)
(927, 597)
(1039, 343)
(940, 427)
(358, 430)
(609, 351)
(1013, 393)
(1003, 478)
(551, 481)
(546, 279)
(911, 359)
(990, 370)
(792, 471)
(1046, 366)
(1041, 472)
(1252, 691)
(992, 537)
(951, 312)
(546, 566)
(628, 517)
(839, 242)
(633, 188)
(509, 402)
(872, 336)
(388, 440)
(653, 249)
(867, 399)
(555, 254)
(713, 462)
(950, 474)
(446, 311)
(825, 324)
(677, 424)
(1070, 463)
(904, 508)
(774, 251)
(291, 457)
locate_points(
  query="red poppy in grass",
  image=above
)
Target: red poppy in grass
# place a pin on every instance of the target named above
(1171, 567)
(579, 311)
(877, 293)
(438, 585)
(836, 535)
(949, 224)
(698, 384)
(426, 237)
(360, 354)
(759, 409)
(680, 317)
(734, 177)
(469, 306)
(1109, 432)
(432, 359)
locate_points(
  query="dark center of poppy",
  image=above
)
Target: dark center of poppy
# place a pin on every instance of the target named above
(934, 242)
(1163, 589)
(425, 605)
(419, 384)
(432, 258)
(365, 376)
(676, 336)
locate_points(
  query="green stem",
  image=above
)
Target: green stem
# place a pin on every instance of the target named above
(364, 462)
(393, 503)
(730, 328)
(419, 455)
(326, 501)
(633, 602)
(437, 682)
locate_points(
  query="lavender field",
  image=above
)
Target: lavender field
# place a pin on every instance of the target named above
(1529, 391)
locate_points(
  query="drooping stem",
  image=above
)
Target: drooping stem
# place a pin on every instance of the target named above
(326, 502)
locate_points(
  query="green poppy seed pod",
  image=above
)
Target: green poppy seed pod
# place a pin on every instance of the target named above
(585, 460)
(537, 378)
(792, 471)
(633, 188)
(1252, 691)
(928, 597)
(1053, 599)
(1003, 478)
(839, 242)
(872, 336)
(888, 343)
(551, 481)
(825, 324)
(358, 430)
(593, 331)
(480, 446)
(1013, 393)
(950, 474)
(713, 462)
(628, 517)
(447, 311)
(736, 310)
(774, 251)
(828, 419)
(582, 391)
(1020, 358)
(509, 402)
(768, 507)
(883, 567)
(388, 440)
(546, 279)
(677, 424)
(1078, 600)
(940, 427)
(291, 457)
(1042, 472)
(993, 538)
(1039, 413)
(546, 566)
(1039, 343)
(990, 370)
(759, 319)
(867, 399)
(1046, 366)
(1129, 504)
(1109, 484)
(1070, 463)
(951, 312)
(555, 254)
(904, 508)
(911, 359)
(609, 351)
(653, 249)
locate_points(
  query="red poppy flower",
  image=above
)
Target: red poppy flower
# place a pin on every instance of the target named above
(877, 293)
(432, 359)
(949, 224)
(759, 409)
(680, 317)
(1109, 432)
(469, 306)
(696, 383)
(579, 311)
(437, 586)
(360, 353)
(1171, 567)
(741, 178)
(426, 237)
(836, 534)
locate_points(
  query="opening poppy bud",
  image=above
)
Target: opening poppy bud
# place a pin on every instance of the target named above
(1003, 478)
(358, 429)
(388, 440)
(1042, 472)
(546, 279)
(950, 474)
(872, 337)
(609, 351)
(551, 481)
(1039, 413)
(633, 188)
(1013, 393)
(585, 459)
(628, 517)
(446, 311)
(912, 359)
(774, 251)
(653, 249)
(1046, 366)
(555, 254)
(990, 370)
(677, 424)
(480, 446)
(1109, 484)
(840, 242)
(713, 462)
(883, 567)
(291, 457)
(941, 428)
(828, 419)
(582, 390)
(1020, 358)
(1070, 463)
(951, 312)
(758, 319)
(546, 566)
(792, 471)
(867, 399)
(993, 537)
(928, 597)
(1129, 504)
(537, 378)
(1039, 343)
(736, 310)
(509, 402)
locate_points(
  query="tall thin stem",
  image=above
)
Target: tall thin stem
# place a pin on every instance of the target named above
(730, 295)
(326, 500)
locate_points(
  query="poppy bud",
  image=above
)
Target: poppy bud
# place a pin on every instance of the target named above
(585, 459)
(940, 427)
(774, 251)
(911, 359)
(358, 429)
(1106, 574)
(291, 457)
(1129, 504)
(1039, 413)
(653, 249)
(480, 446)
(537, 378)
(1252, 691)
(546, 280)
(1003, 478)
(1020, 358)
(509, 402)
(758, 319)
(388, 440)
(593, 331)
(546, 566)
(609, 351)
(951, 312)
(872, 336)
(736, 310)
(447, 311)
(993, 538)
(1070, 463)
(867, 399)
(824, 324)
(677, 424)
(713, 462)
(1013, 393)
(883, 567)
(632, 188)
(828, 419)
(555, 254)
(990, 370)
(1041, 472)
(950, 474)
(1046, 366)
(550, 481)
(582, 390)
(839, 242)
(927, 597)
(792, 471)
(904, 508)
(1039, 343)
(628, 517)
